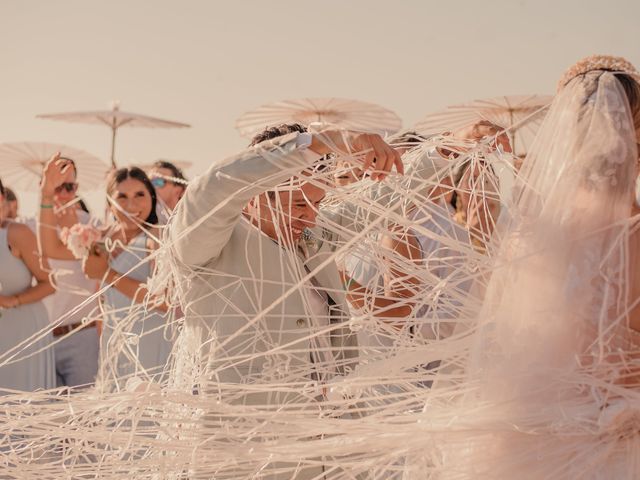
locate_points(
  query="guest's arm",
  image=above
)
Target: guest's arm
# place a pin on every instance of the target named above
(23, 245)
(403, 255)
(96, 266)
(363, 299)
(49, 243)
(401, 252)
(134, 289)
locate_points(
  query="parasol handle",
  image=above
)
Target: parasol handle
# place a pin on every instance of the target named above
(113, 146)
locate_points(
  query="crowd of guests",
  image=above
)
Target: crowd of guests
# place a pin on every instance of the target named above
(86, 300)
(55, 322)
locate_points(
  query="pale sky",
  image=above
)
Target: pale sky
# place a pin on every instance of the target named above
(207, 62)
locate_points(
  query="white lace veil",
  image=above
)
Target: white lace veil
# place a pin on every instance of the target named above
(552, 346)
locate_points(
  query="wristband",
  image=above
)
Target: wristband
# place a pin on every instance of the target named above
(46, 205)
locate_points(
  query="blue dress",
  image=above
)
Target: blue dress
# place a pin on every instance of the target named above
(18, 324)
(135, 340)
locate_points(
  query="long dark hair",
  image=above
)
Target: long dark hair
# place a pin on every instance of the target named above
(632, 91)
(83, 205)
(118, 176)
(1, 188)
(630, 87)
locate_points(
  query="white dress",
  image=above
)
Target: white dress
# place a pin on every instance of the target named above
(73, 288)
(21, 324)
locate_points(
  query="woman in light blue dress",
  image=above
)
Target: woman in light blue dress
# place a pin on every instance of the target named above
(136, 340)
(23, 318)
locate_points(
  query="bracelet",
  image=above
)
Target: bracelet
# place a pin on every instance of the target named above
(46, 205)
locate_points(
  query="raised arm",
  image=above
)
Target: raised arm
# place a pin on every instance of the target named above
(96, 267)
(213, 203)
(49, 243)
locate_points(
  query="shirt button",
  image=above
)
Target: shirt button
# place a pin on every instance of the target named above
(300, 322)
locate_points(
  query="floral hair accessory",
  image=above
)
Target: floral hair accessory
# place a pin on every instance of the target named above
(598, 62)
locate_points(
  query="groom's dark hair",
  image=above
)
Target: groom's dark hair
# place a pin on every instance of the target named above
(284, 129)
(277, 131)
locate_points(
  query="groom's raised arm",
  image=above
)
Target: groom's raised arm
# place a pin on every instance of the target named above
(213, 203)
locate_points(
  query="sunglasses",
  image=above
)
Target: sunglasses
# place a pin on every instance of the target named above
(68, 186)
(158, 182)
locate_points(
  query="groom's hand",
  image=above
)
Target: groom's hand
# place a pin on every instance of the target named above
(378, 157)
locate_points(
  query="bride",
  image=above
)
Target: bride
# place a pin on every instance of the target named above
(552, 383)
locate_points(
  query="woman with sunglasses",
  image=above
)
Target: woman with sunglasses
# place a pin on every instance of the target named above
(71, 312)
(24, 340)
(134, 340)
(170, 185)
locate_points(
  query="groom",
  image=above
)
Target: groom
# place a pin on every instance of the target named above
(265, 307)
(264, 304)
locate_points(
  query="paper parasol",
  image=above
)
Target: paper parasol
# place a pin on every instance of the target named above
(114, 119)
(341, 112)
(22, 164)
(522, 112)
